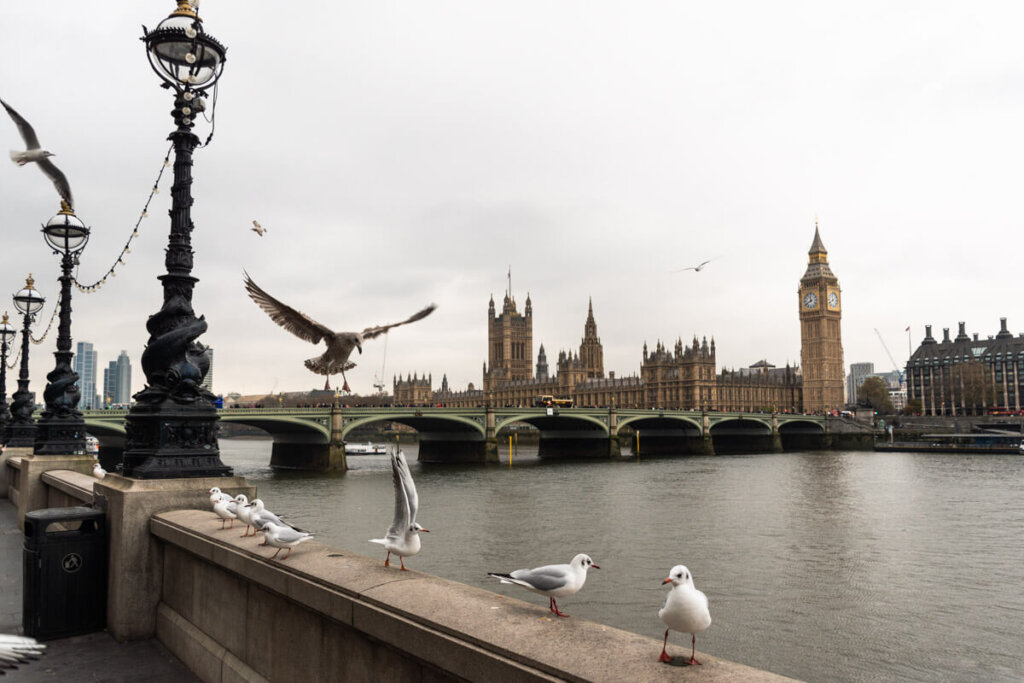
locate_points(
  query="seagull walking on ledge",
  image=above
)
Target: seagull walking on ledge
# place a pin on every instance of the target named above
(553, 580)
(35, 154)
(339, 344)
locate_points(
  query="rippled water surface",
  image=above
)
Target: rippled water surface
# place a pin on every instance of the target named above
(848, 566)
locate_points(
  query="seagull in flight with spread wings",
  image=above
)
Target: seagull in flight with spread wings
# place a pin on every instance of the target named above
(695, 269)
(33, 153)
(339, 344)
(258, 229)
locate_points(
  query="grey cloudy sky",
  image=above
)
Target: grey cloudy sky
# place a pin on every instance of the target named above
(407, 152)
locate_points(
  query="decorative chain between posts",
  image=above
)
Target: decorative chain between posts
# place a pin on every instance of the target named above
(89, 289)
(53, 316)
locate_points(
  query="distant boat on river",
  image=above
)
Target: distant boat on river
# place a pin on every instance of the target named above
(364, 449)
(958, 443)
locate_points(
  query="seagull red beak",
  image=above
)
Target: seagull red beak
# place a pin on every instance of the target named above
(668, 580)
(594, 566)
(427, 530)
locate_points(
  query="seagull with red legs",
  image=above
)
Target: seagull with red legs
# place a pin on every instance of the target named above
(403, 538)
(552, 580)
(685, 610)
(340, 345)
(278, 536)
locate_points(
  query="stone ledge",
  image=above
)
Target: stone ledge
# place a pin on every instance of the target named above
(74, 484)
(467, 631)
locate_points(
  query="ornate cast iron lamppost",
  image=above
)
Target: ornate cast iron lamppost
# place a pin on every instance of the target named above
(61, 429)
(171, 430)
(23, 430)
(7, 335)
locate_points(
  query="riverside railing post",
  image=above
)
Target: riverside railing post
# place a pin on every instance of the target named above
(171, 431)
(61, 428)
(22, 433)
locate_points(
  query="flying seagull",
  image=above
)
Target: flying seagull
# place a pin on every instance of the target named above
(258, 229)
(33, 153)
(403, 538)
(15, 650)
(339, 344)
(696, 269)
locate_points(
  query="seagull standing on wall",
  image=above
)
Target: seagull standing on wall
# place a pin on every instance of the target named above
(339, 344)
(403, 537)
(35, 154)
(685, 610)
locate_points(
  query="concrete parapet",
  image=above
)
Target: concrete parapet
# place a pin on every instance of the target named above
(136, 567)
(33, 494)
(230, 613)
(65, 488)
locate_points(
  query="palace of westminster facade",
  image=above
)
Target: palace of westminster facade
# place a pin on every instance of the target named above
(681, 377)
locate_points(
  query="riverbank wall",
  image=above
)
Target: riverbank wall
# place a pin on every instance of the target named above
(231, 613)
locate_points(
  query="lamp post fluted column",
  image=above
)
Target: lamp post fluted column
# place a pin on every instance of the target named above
(7, 334)
(61, 427)
(23, 429)
(171, 431)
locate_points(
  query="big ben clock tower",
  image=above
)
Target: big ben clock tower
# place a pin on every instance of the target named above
(821, 340)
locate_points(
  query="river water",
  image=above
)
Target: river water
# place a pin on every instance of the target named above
(824, 566)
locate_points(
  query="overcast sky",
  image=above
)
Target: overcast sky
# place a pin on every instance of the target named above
(400, 153)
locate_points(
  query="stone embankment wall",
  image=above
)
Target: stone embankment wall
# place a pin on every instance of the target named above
(327, 614)
(232, 614)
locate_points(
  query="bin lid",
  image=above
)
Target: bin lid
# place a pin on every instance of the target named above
(51, 515)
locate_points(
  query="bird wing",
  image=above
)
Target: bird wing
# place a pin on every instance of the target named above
(59, 181)
(27, 133)
(547, 578)
(371, 332)
(403, 518)
(410, 487)
(299, 324)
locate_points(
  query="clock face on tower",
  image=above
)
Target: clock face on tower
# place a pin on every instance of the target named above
(810, 300)
(833, 300)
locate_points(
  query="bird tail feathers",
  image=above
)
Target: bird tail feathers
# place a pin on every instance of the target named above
(321, 367)
(382, 541)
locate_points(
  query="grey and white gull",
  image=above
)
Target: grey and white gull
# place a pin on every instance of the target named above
(339, 344)
(403, 537)
(278, 536)
(552, 580)
(34, 153)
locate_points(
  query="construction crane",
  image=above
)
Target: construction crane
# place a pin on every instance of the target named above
(891, 359)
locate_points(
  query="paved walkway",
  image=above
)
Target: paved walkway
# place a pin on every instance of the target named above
(92, 657)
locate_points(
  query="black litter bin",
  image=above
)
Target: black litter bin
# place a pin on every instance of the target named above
(65, 580)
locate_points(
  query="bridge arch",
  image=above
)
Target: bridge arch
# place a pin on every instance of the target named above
(798, 435)
(564, 420)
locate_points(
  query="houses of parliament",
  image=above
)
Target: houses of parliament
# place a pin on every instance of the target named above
(683, 376)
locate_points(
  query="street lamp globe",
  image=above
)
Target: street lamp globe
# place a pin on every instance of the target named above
(182, 53)
(7, 331)
(28, 301)
(65, 233)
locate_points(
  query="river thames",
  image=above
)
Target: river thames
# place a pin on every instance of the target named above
(824, 566)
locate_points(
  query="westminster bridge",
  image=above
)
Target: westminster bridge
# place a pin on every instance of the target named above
(313, 438)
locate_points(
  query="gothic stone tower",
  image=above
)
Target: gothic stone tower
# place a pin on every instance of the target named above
(509, 343)
(591, 351)
(821, 343)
